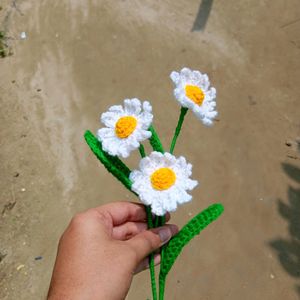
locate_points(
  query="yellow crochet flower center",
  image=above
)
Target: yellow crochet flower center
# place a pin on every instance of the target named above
(195, 94)
(163, 179)
(125, 126)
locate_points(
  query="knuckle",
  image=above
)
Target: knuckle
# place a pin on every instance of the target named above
(132, 229)
(82, 222)
(78, 220)
(84, 218)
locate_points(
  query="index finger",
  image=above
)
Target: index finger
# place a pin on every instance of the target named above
(123, 211)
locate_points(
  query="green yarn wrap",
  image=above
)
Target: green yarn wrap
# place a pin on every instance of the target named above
(112, 163)
(187, 233)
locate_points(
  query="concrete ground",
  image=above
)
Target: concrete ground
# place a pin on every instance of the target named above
(80, 57)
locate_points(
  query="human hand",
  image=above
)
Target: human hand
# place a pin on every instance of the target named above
(101, 250)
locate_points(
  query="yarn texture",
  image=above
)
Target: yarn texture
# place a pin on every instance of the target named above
(125, 126)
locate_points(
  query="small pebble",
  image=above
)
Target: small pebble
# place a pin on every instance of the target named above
(23, 35)
(272, 276)
(38, 258)
(23, 190)
(288, 143)
(20, 267)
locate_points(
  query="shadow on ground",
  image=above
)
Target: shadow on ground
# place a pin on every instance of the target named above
(202, 15)
(288, 250)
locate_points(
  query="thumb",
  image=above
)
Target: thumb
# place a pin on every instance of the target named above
(148, 241)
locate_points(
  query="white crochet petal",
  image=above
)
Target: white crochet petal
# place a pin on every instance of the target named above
(171, 204)
(147, 107)
(143, 135)
(197, 76)
(212, 93)
(186, 74)
(109, 118)
(207, 122)
(175, 77)
(116, 109)
(165, 200)
(105, 133)
(157, 208)
(204, 82)
(145, 120)
(110, 146)
(132, 106)
(144, 163)
(131, 143)
(211, 114)
(185, 197)
(135, 176)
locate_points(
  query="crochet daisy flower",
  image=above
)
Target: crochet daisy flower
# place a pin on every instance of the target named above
(163, 181)
(125, 127)
(192, 91)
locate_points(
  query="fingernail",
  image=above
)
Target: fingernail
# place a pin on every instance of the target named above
(164, 234)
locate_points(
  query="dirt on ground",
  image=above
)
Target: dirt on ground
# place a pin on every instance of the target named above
(77, 58)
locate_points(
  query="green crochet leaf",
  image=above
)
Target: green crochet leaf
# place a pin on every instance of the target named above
(112, 163)
(155, 141)
(187, 233)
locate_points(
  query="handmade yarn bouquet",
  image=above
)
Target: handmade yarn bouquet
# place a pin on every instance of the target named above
(162, 181)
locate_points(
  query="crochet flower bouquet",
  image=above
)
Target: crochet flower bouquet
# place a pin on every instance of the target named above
(162, 181)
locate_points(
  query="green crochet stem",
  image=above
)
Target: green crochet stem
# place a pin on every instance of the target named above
(159, 221)
(186, 234)
(112, 163)
(162, 220)
(142, 150)
(157, 146)
(155, 141)
(183, 112)
(151, 256)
